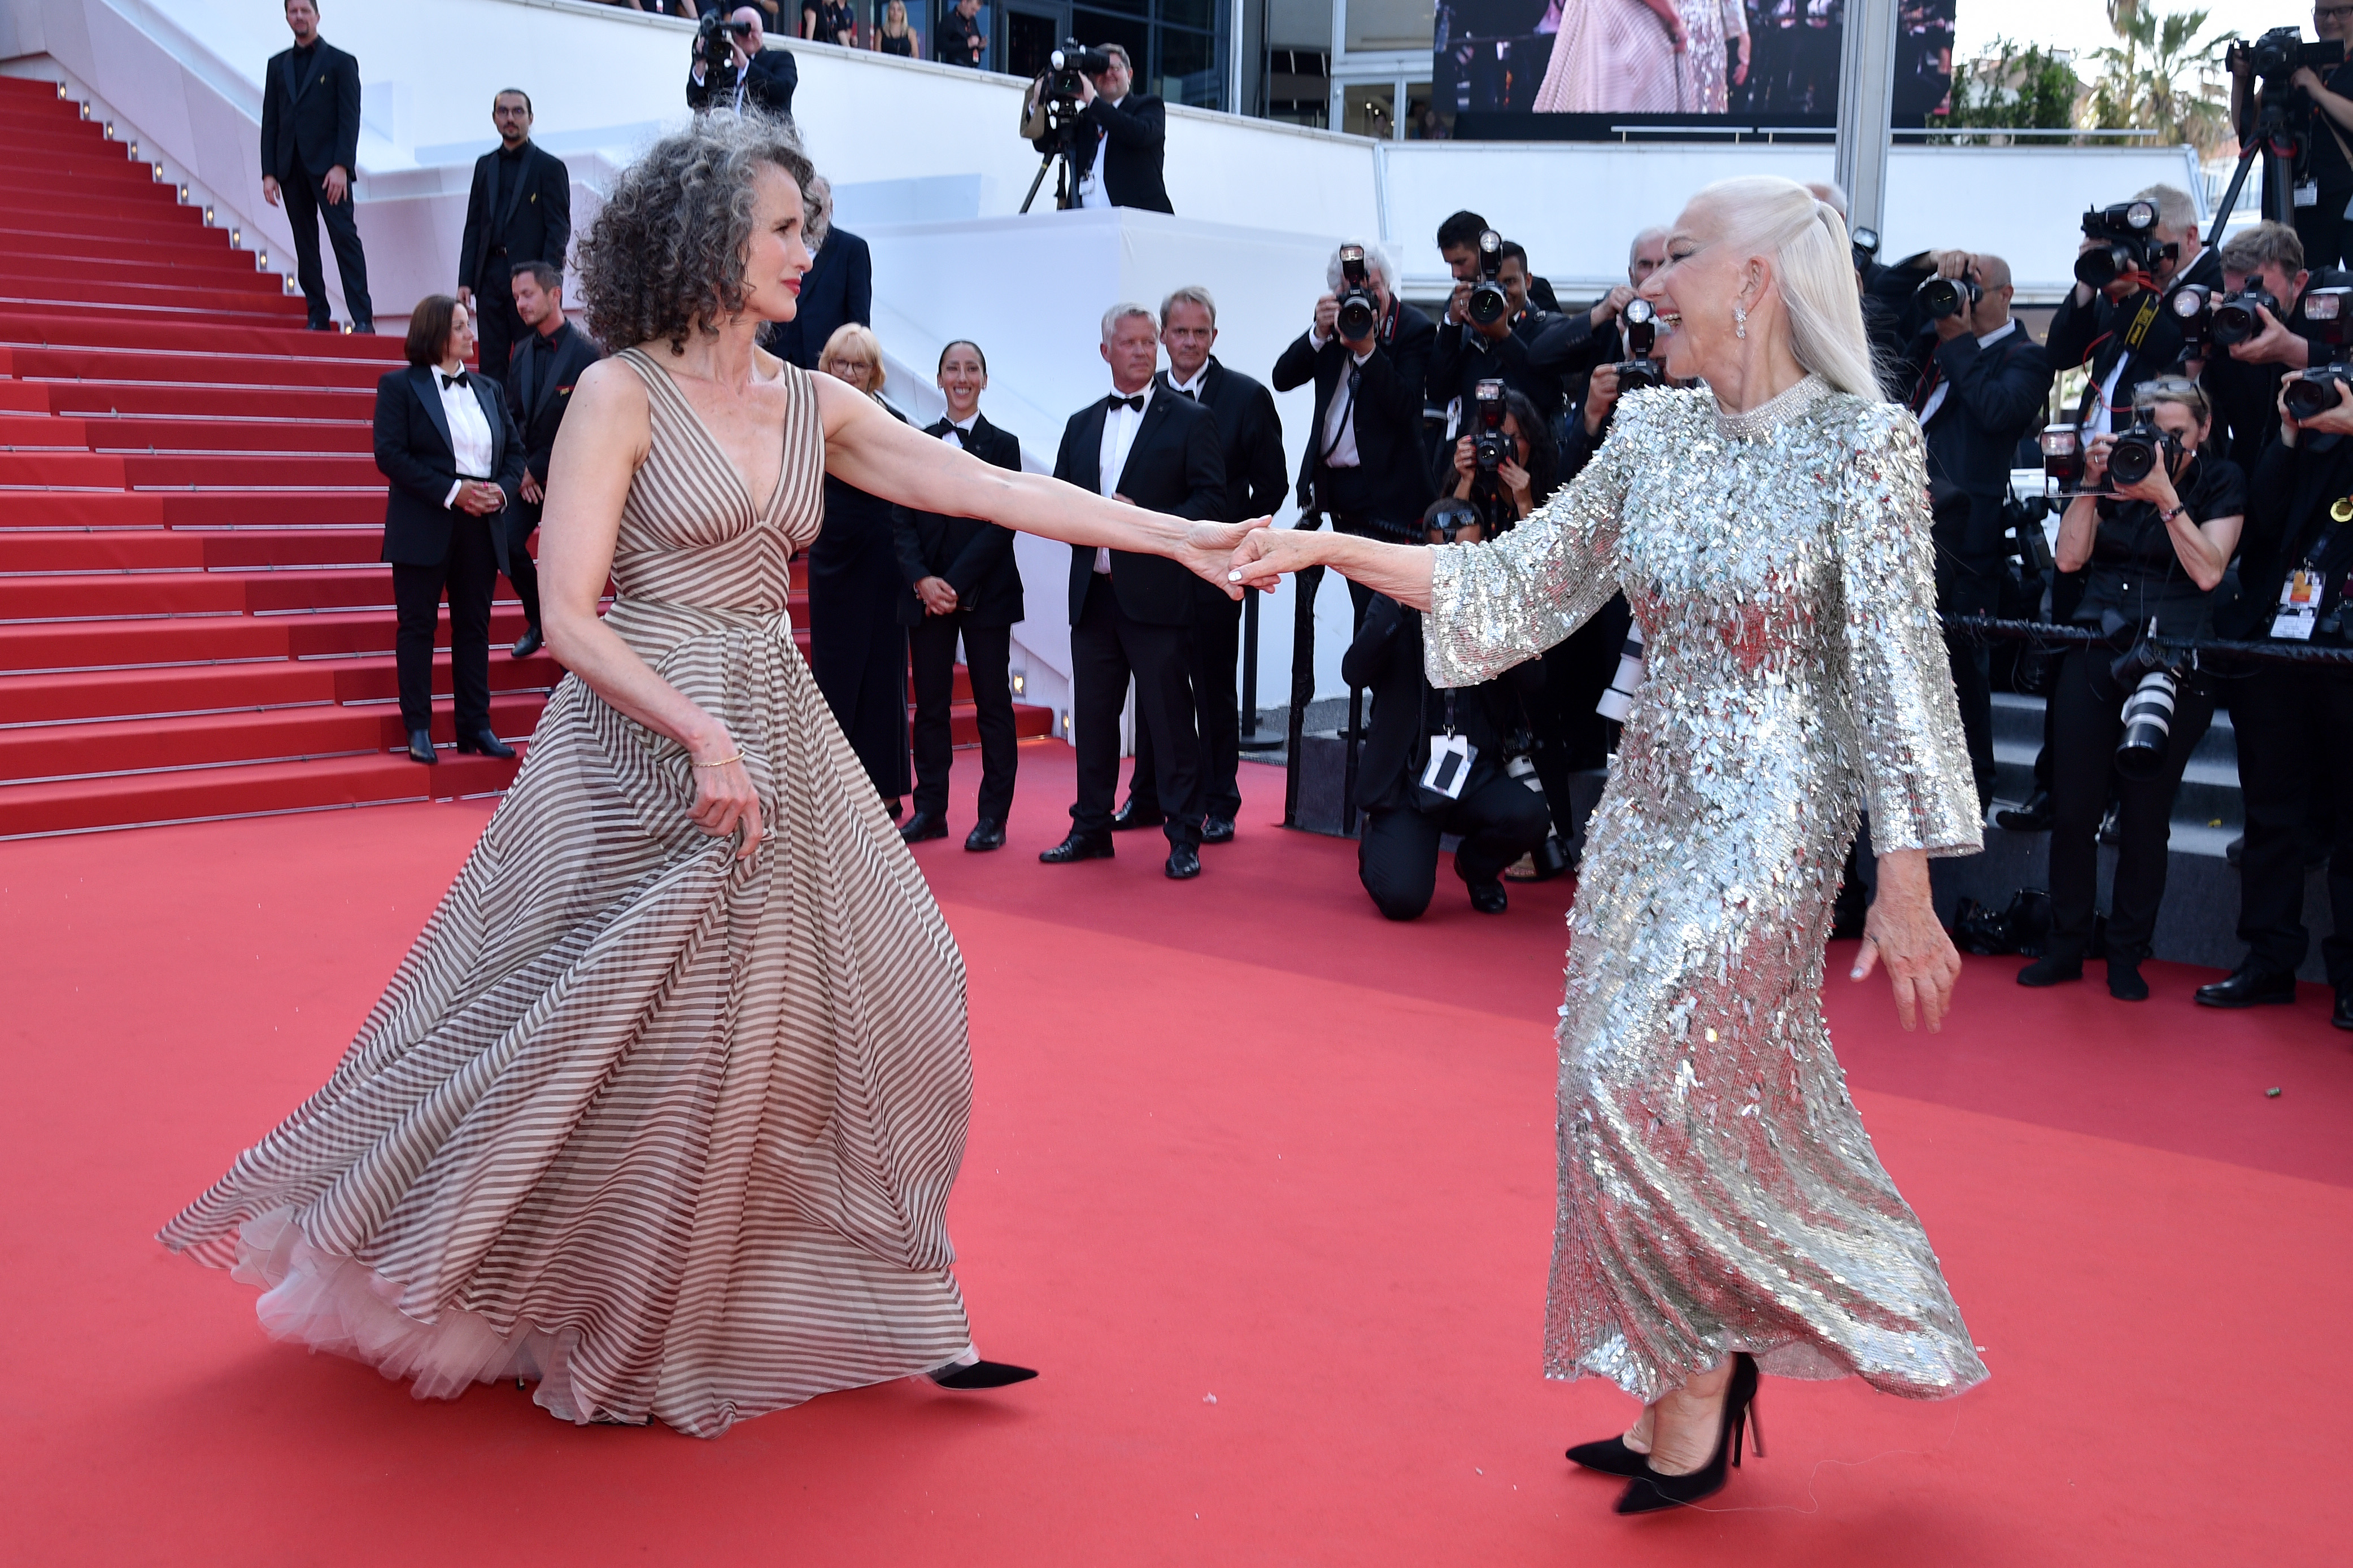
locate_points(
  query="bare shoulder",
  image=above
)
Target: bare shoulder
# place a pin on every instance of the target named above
(610, 404)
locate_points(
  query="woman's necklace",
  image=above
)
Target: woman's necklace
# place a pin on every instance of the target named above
(1774, 411)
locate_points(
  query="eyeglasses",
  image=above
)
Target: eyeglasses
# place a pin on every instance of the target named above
(2324, 13)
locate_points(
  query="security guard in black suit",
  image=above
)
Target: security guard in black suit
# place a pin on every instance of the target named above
(310, 145)
(520, 210)
(540, 378)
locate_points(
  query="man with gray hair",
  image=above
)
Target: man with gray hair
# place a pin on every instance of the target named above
(763, 79)
(1572, 342)
(2124, 331)
(2242, 378)
(1130, 614)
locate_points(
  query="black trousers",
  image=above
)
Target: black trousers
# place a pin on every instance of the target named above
(2089, 723)
(468, 574)
(1500, 820)
(2294, 727)
(1971, 585)
(306, 207)
(1107, 650)
(523, 522)
(497, 327)
(988, 658)
(1570, 736)
(1216, 651)
(1368, 524)
(2322, 225)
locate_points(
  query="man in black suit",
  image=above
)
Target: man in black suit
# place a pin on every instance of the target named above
(837, 288)
(959, 40)
(1457, 245)
(1123, 137)
(310, 144)
(1572, 343)
(519, 211)
(448, 449)
(2125, 333)
(1364, 467)
(1130, 613)
(962, 582)
(1978, 386)
(1249, 437)
(540, 379)
(1467, 352)
(765, 78)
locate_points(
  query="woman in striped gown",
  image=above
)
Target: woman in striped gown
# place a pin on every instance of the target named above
(663, 1109)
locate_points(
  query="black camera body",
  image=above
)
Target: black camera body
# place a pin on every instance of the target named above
(2276, 56)
(2129, 232)
(2139, 451)
(2313, 390)
(714, 40)
(1359, 306)
(1489, 448)
(1638, 370)
(2235, 321)
(1943, 297)
(1488, 303)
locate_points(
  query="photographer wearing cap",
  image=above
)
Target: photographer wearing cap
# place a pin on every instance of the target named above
(1978, 385)
(2120, 327)
(1123, 135)
(1367, 352)
(2294, 722)
(2321, 186)
(2152, 551)
(1433, 761)
(745, 73)
(1488, 329)
(2256, 329)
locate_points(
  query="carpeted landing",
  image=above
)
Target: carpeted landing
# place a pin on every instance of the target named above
(1262, 1183)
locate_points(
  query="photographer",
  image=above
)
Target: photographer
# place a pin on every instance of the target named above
(1122, 136)
(1468, 351)
(2294, 722)
(1978, 385)
(2243, 377)
(1407, 810)
(1364, 467)
(745, 72)
(1574, 341)
(2322, 180)
(2151, 554)
(1458, 246)
(2122, 329)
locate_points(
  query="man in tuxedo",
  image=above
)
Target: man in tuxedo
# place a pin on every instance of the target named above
(310, 145)
(963, 583)
(1466, 352)
(1250, 438)
(1129, 614)
(765, 78)
(1978, 386)
(1123, 137)
(1365, 467)
(959, 40)
(519, 211)
(539, 382)
(837, 288)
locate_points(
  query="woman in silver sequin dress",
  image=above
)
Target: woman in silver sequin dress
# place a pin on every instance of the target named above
(1721, 1206)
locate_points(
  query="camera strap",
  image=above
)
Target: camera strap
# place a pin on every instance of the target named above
(2145, 317)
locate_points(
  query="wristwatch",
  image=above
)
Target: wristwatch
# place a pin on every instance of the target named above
(2169, 513)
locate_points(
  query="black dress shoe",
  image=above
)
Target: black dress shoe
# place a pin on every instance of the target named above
(485, 742)
(1183, 863)
(2052, 969)
(2343, 1016)
(2124, 982)
(2031, 814)
(2247, 987)
(530, 643)
(1489, 898)
(1077, 846)
(923, 824)
(420, 748)
(1611, 1457)
(362, 329)
(1128, 816)
(1216, 830)
(985, 834)
(982, 1375)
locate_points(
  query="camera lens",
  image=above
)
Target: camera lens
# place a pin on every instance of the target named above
(1940, 297)
(2132, 458)
(2148, 726)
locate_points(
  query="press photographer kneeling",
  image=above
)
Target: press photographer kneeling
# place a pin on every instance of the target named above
(1433, 763)
(2152, 551)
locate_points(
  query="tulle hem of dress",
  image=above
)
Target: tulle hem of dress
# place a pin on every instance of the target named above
(323, 1302)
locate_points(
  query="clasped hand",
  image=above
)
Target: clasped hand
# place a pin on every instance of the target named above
(480, 497)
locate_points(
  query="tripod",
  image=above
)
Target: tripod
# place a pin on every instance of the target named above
(1065, 188)
(2275, 142)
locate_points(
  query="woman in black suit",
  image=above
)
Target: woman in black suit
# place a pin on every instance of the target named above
(856, 650)
(446, 442)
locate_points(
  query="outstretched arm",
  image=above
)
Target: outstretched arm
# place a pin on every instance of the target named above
(1399, 571)
(866, 447)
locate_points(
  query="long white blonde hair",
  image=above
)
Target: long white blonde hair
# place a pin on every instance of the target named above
(1813, 261)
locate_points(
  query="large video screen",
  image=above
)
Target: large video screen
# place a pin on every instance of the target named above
(1580, 70)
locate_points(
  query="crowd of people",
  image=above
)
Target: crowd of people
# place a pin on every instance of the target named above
(959, 39)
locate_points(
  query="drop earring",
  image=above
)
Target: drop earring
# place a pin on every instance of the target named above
(1739, 320)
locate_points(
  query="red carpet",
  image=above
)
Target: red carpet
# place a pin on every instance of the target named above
(1236, 1138)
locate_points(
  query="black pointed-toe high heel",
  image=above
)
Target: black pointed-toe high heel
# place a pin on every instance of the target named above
(1611, 1457)
(982, 1375)
(1649, 1491)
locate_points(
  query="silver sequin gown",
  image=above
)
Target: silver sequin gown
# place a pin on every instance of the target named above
(1717, 1190)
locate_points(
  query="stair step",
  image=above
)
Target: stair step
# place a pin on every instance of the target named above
(353, 406)
(256, 789)
(54, 754)
(223, 436)
(277, 370)
(48, 511)
(168, 549)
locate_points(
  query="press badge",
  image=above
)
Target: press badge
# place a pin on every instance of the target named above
(2307, 194)
(1449, 765)
(2300, 604)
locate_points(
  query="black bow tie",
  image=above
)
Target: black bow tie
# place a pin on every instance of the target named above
(1116, 401)
(459, 379)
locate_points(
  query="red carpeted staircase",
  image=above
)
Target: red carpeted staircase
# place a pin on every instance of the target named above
(193, 620)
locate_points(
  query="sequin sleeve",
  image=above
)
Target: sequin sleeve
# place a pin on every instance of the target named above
(1501, 604)
(1898, 683)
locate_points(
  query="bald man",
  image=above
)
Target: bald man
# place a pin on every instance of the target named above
(1979, 384)
(1571, 343)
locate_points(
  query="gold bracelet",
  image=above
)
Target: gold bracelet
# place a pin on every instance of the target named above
(721, 762)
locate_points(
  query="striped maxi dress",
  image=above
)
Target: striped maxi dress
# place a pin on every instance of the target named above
(670, 1133)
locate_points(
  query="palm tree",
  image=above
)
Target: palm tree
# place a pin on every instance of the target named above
(2159, 76)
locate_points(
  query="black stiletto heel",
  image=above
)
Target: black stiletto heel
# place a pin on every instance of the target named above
(1651, 1491)
(1611, 1457)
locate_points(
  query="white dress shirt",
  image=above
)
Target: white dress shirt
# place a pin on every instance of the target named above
(471, 441)
(1340, 418)
(1194, 388)
(959, 432)
(1119, 426)
(1984, 341)
(1091, 185)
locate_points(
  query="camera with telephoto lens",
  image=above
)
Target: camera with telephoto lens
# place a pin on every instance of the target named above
(2147, 712)
(1359, 307)
(2311, 392)
(2139, 451)
(1488, 303)
(1639, 369)
(1489, 448)
(2234, 315)
(2279, 54)
(1943, 297)
(2129, 231)
(714, 40)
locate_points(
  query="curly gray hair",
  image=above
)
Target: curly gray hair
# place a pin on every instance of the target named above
(665, 258)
